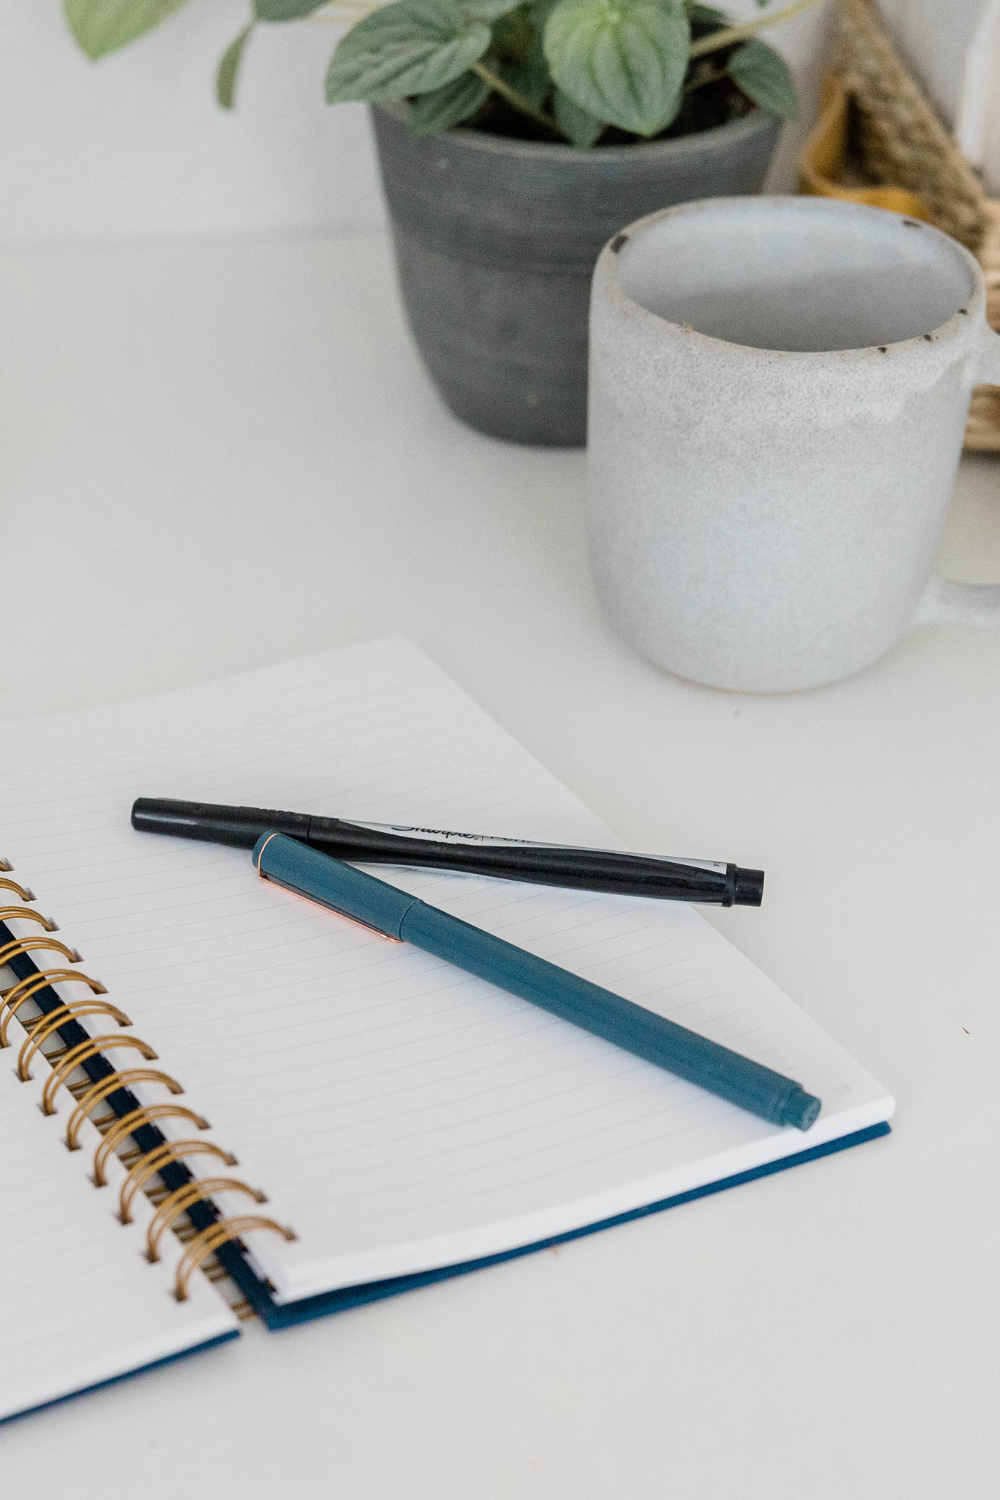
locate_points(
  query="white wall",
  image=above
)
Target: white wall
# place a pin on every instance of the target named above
(802, 43)
(978, 123)
(934, 36)
(954, 48)
(135, 147)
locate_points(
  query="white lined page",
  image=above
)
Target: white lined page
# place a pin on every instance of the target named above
(399, 1113)
(82, 1304)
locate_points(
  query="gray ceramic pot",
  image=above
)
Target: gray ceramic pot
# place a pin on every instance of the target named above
(496, 242)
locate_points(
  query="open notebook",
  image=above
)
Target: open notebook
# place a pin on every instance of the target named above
(405, 1120)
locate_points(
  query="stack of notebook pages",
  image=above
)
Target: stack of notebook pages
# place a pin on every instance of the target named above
(285, 1100)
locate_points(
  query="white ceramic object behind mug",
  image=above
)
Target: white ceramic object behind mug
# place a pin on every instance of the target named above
(778, 393)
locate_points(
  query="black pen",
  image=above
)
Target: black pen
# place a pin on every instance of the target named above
(607, 870)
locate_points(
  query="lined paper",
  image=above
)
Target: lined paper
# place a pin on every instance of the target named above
(81, 1303)
(399, 1113)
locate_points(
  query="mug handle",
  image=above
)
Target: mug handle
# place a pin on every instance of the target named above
(944, 602)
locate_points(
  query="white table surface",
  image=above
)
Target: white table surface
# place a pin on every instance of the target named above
(217, 456)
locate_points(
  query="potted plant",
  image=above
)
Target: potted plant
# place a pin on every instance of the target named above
(515, 137)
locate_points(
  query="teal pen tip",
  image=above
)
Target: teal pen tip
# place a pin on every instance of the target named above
(801, 1109)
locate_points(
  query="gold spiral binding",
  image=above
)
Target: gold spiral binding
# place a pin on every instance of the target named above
(146, 1114)
(133, 1121)
(26, 989)
(56, 1018)
(25, 945)
(42, 1027)
(109, 1085)
(183, 1198)
(79, 1054)
(208, 1241)
(164, 1156)
(25, 913)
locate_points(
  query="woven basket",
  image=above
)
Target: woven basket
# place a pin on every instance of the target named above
(878, 140)
(983, 432)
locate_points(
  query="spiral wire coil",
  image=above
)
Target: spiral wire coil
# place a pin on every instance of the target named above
(72, 1055)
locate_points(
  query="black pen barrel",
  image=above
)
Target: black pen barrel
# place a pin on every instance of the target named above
(214, 823)
(576, 869)
(606, 870)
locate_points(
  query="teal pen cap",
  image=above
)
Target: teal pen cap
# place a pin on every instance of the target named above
(396, 914)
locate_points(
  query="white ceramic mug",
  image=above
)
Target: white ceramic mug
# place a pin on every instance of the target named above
(778, 393)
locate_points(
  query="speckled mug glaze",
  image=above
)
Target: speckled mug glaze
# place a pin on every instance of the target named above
(778, 394)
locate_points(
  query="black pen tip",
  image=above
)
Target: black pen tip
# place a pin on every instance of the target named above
(749, 887)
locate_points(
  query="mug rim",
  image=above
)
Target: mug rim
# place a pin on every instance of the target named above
(952, 328)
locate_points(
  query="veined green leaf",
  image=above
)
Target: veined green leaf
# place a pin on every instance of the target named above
(102, 26)
(448, 106)
(225, 78)
(411, 47)
(285, 10)
(621, 60)
(578, 125)
(763, 76)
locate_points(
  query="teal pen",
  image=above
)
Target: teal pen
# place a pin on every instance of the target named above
(396, 914)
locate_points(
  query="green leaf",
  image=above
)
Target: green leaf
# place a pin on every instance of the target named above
(448, 106)
(622, 60)
(538, 12)
(487, 10)
(515, 36)
(225, 78)
(578, 125)
(412, 47)
(285, 10)
(763, 76)
(707, 15)
(531, 79)
(102, 26)
(516, 55)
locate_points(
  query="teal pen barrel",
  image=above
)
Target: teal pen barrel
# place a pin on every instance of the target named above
(354, 894)
(753, 1087)
(642, 1032)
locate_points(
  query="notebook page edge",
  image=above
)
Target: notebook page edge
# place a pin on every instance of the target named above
(513, 1234)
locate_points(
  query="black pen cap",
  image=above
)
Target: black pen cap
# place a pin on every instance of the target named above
(240, 827)
(749, 889)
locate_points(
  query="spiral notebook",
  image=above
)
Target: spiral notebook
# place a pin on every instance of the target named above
(221, 1101)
